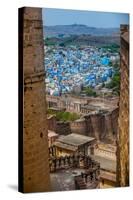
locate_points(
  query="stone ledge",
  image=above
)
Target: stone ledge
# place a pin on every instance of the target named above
(33, 78)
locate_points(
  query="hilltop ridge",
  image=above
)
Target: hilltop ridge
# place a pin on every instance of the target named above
(78, 29)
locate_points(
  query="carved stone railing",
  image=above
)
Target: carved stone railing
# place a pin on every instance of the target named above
(87, 179)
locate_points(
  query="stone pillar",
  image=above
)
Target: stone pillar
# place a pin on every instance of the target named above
(115, 114)
(36, 177)
(108, 127)
(89, 127)
(91, 150)
(96, 124)
(86, 150)
(123, 121)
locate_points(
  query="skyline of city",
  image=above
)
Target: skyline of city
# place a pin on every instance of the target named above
(90, 18)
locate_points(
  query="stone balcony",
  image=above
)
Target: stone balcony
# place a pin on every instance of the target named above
(74, 172)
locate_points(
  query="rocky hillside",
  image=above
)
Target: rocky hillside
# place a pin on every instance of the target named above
(78, 29)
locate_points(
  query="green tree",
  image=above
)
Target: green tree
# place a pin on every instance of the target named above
(66, 116)
(90, 92)
(115, 83)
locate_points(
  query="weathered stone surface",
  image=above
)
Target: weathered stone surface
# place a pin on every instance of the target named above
(103, 126)
(63, 128)
(123, 122)
(51, 121)
(79, 126)
(35, 141)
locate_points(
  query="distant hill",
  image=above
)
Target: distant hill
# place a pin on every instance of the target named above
(78, 29)
(83, 40)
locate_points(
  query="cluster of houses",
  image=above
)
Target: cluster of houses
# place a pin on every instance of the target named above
(67, 68)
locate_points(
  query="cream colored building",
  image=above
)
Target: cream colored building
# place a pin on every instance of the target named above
(74, 143)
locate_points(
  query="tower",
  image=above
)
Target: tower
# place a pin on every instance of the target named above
(35, 172)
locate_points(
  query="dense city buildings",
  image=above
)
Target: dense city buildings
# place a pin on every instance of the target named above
(69, 69)
(75, 131)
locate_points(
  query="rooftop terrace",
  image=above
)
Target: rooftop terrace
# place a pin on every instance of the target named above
(76, 139)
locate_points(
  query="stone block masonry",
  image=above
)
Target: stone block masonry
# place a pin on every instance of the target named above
(123, 122)
(79, 126)
(36, 176)
(103, 126)
(63, 128)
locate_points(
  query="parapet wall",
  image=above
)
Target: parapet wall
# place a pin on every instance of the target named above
(101, 126)
(63, 128)
(79, 126)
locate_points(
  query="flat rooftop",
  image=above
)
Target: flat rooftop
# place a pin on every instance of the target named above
(75, 139)
(105, 163)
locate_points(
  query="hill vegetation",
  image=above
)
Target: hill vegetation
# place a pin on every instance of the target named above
(64, 116)
(79, 40)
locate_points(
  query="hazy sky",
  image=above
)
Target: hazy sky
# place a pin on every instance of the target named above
(95, 19)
